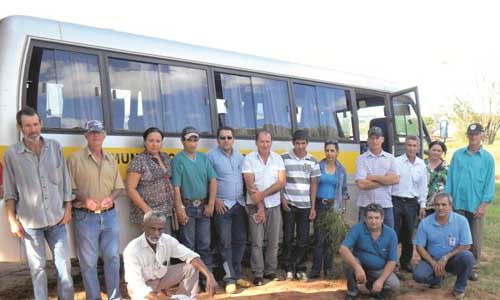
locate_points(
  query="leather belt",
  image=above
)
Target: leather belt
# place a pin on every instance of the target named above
(326, 201)
(193, 202)
(405, 199)
(96, 212)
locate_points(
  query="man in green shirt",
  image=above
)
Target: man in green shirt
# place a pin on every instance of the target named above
(195, 186)
(471, 182)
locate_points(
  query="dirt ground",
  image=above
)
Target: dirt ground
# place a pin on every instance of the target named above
(15, 283)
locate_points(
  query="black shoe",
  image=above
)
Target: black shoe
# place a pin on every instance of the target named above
(258, 281)
(314, 275)
(436, 285)
(407, 267)
(271, 277)
(349, 297)
(474, 276)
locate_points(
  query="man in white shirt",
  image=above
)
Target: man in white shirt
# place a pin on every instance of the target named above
(147, 257)
(264, 175)
(409, 197)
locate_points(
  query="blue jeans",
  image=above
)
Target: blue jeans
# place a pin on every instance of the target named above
(196, 233)
(232, 236)
(388, 216)
(460, 265)
(57, 239)
(94, 232)
(295, 220)
(322, 256)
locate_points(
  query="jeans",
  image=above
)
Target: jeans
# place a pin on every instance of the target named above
(196, 233)
(295, 220)
(94, 232)
(405, 218)
(388, 216)
(391, 284)
(232, 236)
(460, 265)
(57, 239)
(270, 231)
(322, 255)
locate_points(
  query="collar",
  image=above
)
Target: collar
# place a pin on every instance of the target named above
(145, 244)
(451, 219)
(480, 152)
(294, 156)
(21, 147)
(224, 153)
(89, 154)
(367, 231)
(383, 153)
(417, 159)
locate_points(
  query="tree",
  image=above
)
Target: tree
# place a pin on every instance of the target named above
(485, 109)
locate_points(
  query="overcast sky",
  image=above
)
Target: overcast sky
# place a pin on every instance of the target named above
(443, 47)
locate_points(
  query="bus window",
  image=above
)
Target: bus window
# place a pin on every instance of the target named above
(272, 106)
(405, 118)
(254, 103)
(184, 95)
(64, 87)
(135, 89)
(324, 112)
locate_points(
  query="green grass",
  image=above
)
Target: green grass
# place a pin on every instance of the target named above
(487, 286)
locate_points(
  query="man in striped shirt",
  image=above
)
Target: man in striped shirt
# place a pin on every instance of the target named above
(298, 203)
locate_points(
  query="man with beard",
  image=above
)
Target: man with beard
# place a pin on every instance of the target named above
(148, 272)
(38, 200)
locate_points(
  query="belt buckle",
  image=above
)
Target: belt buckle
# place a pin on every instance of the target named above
(97, 211)
(325, 201)
(196, 202)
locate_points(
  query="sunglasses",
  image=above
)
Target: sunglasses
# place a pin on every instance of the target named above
(224, 138)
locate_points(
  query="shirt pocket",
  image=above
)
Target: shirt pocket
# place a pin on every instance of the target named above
(55, 175)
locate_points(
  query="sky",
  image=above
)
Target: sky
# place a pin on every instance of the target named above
(444, 47)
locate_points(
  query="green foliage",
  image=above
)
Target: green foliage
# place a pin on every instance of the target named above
(334, 228)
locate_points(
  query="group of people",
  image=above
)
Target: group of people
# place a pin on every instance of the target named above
(449, 203)
(43, 192)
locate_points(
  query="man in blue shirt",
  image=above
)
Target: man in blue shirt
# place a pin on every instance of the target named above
(370, 254)
(443, 240)
(229, 214)
(471, 182)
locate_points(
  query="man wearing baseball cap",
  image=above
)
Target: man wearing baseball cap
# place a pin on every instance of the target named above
(376, 173)
(96, 185)
(471, 182)
(195, 186)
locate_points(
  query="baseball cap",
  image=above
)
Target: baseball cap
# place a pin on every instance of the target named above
(94, 126)
(375, 130)
(188, 132)
(475, 128)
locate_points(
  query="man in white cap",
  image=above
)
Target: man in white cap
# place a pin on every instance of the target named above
(96, 185)
(471, 183)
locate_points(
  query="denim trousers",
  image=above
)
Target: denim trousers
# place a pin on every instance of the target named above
(388, 216)
(57, 240)
(232, 236)
(295, 220)
(94, 233)
(196, 233)
(405, 218)
(322, 256)
(460, 265)
(391, 284)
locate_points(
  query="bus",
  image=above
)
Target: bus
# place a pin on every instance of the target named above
(72, 73)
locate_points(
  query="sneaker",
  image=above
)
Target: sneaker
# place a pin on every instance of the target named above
(302, 276)
(290, 275)
(231, 288)
(458, 296)
(258, 281)
(474, 276)
(271, 277)
(243, 283)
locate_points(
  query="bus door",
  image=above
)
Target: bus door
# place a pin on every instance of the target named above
(407, 119)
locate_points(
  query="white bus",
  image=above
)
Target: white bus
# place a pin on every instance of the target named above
(72, 73)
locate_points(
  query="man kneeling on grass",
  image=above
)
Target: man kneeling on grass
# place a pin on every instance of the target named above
(443, 241)
(370, 253)
(147, 258)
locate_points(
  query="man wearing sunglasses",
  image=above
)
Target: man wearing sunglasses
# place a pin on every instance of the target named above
(229, 214)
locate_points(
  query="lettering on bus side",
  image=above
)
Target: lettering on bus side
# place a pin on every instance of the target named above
(125, 158)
